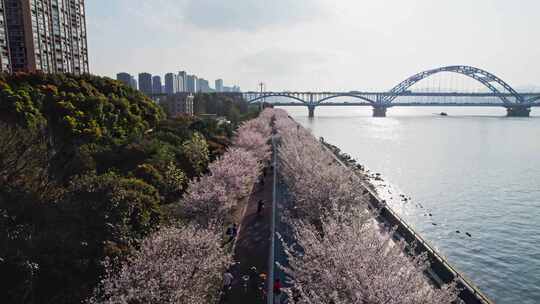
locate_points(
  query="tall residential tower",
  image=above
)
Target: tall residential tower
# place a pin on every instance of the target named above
(4, 49)
(44, 35)
(145, 83)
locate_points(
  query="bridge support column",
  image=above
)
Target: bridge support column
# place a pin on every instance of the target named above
(379, 111)
(518, 111)
(311, 111)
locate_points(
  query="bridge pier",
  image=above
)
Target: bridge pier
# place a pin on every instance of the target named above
(379, 111)
(311, 111)
(518, 111)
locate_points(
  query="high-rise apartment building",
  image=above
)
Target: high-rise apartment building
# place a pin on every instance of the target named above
(203, 85)
(191, 83)
(182, 81)
(127, 79)
(156, 84)
(171, 83)
(124, 77)
(219, 85)
(133, 83)
(145, 83)
(45, 35)
(4, 47)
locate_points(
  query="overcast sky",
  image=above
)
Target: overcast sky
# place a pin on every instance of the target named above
(314, 44)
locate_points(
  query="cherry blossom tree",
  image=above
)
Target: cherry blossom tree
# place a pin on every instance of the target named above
(314, 179)
(254, 135)
(255, 142)
(173, 266)
(351, 261)
(210, 198)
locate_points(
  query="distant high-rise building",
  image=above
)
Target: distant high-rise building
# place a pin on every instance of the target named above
(124, 77)
(191, 83)
(5, 65)
(171, 83)
(236, 88)
(44, 35)
(227, 89)
(203, 85)
(178, 104)
(219, 85)
(182, 81)
(133, 83)
(145, 83)
(156, 85)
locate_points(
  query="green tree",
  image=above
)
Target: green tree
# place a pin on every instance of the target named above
(196, 151)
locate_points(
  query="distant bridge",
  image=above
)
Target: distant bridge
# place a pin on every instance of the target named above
(517, 104)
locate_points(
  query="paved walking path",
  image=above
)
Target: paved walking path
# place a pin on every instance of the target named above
(252, 246)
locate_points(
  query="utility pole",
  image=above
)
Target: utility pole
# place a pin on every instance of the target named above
(261, 85)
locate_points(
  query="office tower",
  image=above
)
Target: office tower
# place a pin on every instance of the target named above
(219, 85)
(182, 81)
(46, 35)
(191, 83)
(124, 77)
(4, 49)
(145, 83)
(171, 83)
(156, 84)
(203, 85)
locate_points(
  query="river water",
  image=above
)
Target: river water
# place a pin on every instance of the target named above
(475, 171)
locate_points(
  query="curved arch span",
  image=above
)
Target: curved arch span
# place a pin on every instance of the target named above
(533, 99)
(479, 75)
(276, 95)
(346, 95)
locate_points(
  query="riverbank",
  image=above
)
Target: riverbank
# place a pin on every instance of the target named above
(440, 272)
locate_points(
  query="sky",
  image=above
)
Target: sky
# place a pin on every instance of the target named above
(322, 45)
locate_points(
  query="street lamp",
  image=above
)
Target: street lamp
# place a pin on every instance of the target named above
(261, 85)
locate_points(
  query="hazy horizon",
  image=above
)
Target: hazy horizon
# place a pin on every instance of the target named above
(316, 44)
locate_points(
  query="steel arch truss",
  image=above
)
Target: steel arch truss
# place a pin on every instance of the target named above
(333, 95)
(252, 97)
(307, 98)
(484, 77)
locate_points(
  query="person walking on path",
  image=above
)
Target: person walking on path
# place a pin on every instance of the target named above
(231, 233)
(227, 281)
(277, 291)
(260, 207)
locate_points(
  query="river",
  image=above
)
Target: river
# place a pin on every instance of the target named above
(475, 171)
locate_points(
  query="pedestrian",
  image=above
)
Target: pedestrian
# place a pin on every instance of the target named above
(296, 296)
(227, 280)
(260, 207)
(231, 233)
(277, 291)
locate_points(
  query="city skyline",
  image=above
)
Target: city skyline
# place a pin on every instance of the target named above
(172, 83)
(316, 45)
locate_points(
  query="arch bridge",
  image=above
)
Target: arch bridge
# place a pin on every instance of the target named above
(517, 104)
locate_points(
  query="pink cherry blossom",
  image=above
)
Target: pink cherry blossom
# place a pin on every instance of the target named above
(174, 265)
